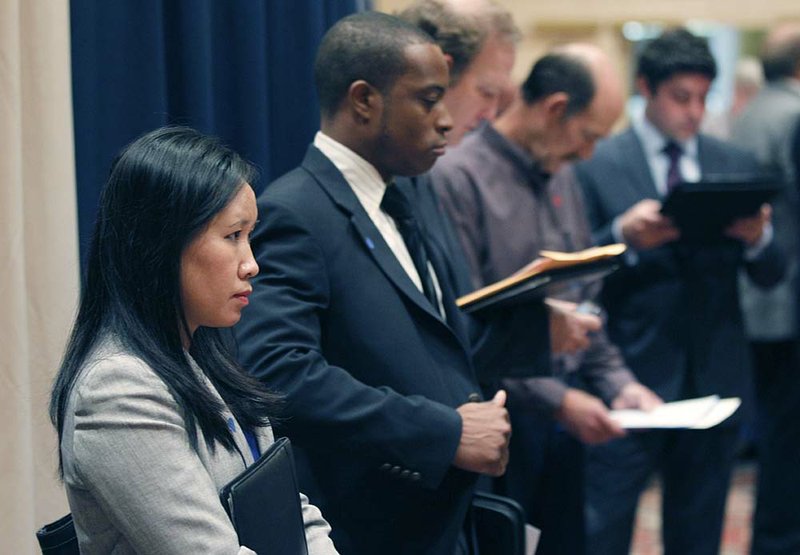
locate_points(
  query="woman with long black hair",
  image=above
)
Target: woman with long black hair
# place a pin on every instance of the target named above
(153, 415)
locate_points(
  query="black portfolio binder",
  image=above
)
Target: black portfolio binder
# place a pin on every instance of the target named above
(703, 209)
(263, 503)
(59, 537)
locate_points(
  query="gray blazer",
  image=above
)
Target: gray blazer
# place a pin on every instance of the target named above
(134, 483)
(765, 128)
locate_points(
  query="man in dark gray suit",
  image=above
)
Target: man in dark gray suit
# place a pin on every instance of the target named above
(674, 309)
(765, 128)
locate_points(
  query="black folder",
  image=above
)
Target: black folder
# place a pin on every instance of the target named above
(263, 503)
(703, 209)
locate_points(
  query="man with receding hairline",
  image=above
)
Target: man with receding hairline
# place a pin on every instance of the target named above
(496, 188)
(478, 38)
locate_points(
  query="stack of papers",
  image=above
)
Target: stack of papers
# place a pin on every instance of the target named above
(695, 414)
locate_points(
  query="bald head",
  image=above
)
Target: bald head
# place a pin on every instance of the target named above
(609, 95)
(584, 74)
(780, 55)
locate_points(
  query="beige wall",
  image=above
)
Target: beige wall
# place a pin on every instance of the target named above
(548, 23)
(39, 253)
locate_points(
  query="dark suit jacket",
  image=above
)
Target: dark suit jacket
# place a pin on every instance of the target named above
(371, 372)
(675, 313)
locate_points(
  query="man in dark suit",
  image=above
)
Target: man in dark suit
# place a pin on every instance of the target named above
(674, 310)
(353, 314)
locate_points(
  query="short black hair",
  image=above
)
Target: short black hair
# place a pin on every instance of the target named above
(675, 51)
(560, 72)
(367, 46)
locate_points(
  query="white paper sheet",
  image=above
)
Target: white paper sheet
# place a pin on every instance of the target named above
(532, 535)
(698, 414)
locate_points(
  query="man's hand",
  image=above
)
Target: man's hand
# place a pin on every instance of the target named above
(485, 431)
(644, 227)
(569, 330)
(586, 417)
(636, 396)
(750, 229)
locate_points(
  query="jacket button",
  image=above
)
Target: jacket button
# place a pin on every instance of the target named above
(405, 474)
(416, 476)
(395, 470)
(474, 398)
(386, 467)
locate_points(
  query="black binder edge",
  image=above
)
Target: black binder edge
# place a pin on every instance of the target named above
(226, 493)
(683, 199)
(546, 283)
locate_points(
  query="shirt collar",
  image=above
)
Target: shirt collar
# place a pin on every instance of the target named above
(362, 176)
(517, 155)
(654, 141)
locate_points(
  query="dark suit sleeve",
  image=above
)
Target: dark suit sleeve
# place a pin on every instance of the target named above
(280, 342)
(769, 267)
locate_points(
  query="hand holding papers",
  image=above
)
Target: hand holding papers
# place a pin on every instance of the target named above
(695, 414)
(544, 276)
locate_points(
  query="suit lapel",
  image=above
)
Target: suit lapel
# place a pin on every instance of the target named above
(426, 207)
(337, 188)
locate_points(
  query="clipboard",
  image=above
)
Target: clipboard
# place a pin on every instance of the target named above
(549, 275)
(703, 209)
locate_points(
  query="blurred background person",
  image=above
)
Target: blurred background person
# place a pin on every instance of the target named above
(478, 38)
(766, 128)
(153, 416)
(747, 81)
(674, 309)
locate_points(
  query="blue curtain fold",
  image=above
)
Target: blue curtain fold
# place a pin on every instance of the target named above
(238, 69)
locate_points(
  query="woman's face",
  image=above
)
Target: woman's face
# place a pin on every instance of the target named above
(217, 266)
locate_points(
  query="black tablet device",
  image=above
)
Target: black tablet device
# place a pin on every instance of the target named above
(703, 209)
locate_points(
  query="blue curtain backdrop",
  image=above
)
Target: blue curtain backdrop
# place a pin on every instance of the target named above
(239, 69)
